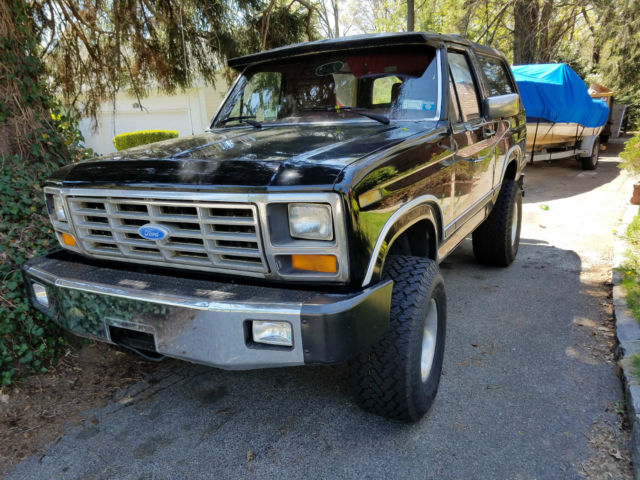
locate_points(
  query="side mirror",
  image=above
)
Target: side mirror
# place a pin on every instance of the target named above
(502, 106)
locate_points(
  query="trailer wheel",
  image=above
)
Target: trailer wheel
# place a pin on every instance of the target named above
(591, 162)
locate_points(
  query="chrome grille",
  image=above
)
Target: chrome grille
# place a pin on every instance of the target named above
(207, 236)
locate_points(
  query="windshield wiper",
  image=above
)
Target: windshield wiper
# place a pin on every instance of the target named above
(242, 119)
(359, 111)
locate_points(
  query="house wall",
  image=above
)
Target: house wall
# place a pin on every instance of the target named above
(188, 112)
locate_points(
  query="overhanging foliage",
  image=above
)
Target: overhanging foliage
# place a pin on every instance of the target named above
(96, 48)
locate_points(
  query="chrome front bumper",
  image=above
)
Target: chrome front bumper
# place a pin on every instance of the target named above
(204, 321)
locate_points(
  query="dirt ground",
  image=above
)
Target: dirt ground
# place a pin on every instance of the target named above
(35, 413)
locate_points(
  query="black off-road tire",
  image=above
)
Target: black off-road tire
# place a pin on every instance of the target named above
(494, 242)
(387, 379)
(591, 162)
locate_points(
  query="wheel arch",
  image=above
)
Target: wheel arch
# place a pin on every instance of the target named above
(514, 159)
(420, 219)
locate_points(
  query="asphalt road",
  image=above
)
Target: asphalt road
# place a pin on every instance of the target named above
(529, 388)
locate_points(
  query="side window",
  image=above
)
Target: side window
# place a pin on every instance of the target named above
(260, 97)
(384, 90)
(498, 81)
(465, 86)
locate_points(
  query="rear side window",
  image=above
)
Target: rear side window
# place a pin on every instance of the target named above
(384, 91)
(465, 86)
(498, 81)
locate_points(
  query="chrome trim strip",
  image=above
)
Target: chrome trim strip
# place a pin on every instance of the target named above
(507, 157)
(174, 301)
(456, 237)
(387, 226)
(469, 212)
(439, 80)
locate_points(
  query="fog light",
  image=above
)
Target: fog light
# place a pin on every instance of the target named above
(40, 293)
(272, 333)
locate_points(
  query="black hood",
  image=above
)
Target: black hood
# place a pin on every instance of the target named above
(269, 157)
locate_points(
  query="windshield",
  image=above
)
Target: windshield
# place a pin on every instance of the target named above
(399, 83)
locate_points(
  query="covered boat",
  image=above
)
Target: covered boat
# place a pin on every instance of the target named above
(562, 119)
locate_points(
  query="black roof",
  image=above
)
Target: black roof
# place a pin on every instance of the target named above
(353, 42)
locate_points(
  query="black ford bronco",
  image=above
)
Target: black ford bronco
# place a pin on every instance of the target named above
(305, 226)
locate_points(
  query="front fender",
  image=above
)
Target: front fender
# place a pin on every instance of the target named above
(421, 208)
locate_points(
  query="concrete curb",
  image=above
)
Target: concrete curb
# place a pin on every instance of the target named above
(628, 336)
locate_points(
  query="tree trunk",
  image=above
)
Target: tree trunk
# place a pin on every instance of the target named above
(545, 47)
(525, 13)
(336, 18)
(410, 16)
(26, 129)
(469, 10)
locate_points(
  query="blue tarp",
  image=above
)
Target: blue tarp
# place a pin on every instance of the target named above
(553, 92)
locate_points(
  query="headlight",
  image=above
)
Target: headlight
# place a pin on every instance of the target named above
(311, 221)
(58, 208)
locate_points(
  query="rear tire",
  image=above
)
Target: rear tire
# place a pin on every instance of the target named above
(591, 162)
(496, 240)
(398, 377)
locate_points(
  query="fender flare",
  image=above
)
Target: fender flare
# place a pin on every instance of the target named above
(587, 144)
(515, 150)
(424, 207)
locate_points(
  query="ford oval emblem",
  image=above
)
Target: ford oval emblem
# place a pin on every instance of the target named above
(153, 232)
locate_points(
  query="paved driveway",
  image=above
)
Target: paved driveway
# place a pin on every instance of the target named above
(529, 388)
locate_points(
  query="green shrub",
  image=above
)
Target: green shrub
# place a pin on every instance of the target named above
(630, 268)
(29, 342)
(41, 138)
(133, 139)
(631, 155)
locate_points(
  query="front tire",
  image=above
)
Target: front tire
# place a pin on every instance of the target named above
(496, 240)
(398, 377)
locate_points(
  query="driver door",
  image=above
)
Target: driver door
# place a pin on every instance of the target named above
(475, 157)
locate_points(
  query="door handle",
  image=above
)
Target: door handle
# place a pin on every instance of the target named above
(474, 160)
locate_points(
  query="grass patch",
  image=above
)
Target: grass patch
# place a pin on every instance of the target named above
(630, 269)
(635, 363)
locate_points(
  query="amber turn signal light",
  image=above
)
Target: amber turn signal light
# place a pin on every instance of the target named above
(315, 263)
(68, 240)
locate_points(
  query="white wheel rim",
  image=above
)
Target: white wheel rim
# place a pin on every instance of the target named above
(429, 336)
(514, 224)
